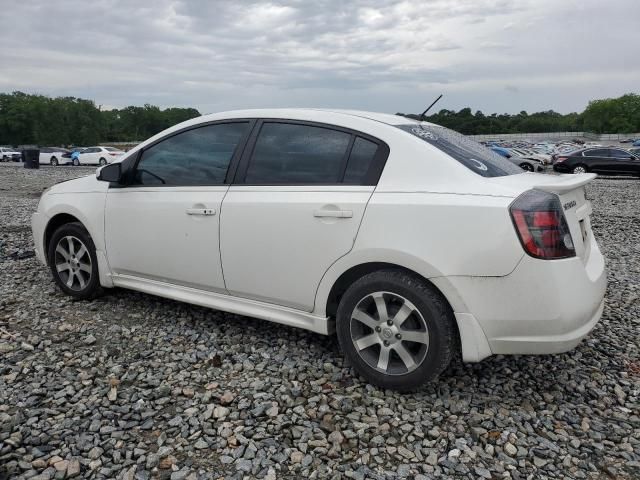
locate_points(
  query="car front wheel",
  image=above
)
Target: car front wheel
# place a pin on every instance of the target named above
(395, 330)
(73, 262)
(102, 161)
(76, 162)
(526, 166)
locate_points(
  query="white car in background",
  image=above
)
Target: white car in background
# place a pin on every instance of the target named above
(97, 156)
(9, 155)
(526, 153)
(52, 156)
(413, 242)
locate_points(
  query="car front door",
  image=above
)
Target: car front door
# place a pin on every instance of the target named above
(88, 156)
(624, 162)
(297, 200)
(164, 225)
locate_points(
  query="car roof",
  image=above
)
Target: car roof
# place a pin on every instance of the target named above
(284, 113)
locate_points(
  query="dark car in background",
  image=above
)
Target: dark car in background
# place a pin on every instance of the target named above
(601, 160)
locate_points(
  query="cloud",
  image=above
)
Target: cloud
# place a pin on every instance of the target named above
(378, 55)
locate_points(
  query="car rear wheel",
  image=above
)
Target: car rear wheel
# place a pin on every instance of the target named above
(395, 330)
(579, 169)
(73, 262)
(54, 162)
(102, 161)
(76, 162)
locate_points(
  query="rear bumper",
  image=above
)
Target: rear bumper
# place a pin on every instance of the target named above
(542, 307)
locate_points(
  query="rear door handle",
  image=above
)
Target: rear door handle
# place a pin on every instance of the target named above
(333, 213)
(201, 211)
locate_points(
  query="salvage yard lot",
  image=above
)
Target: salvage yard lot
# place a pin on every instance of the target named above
(135, 386)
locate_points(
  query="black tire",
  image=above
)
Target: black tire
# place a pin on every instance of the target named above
(526, 166)
(431, 306)
(102, 161)
(91, 288)
(579, 166)
(4, 158)
(76, 162)
(54, 162)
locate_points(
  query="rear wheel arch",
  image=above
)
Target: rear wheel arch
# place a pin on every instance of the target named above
(350, 276)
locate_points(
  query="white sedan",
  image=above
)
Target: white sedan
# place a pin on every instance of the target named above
(52, 155)
(97, 156)
(9, 154)
(412, 242)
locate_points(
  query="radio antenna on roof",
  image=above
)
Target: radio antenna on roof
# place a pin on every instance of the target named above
(422, 115)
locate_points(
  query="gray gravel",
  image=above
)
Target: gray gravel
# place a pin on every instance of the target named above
(131, 386)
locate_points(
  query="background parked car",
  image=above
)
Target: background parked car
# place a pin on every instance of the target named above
(528, 164)
(635, 151)
(9, 154)
(605, 161)
(96, 156)
(52, 155)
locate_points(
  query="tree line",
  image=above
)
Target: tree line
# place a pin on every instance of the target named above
(43, 120)
(610, 115)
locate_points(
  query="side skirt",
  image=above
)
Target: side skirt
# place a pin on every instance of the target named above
(226, 303)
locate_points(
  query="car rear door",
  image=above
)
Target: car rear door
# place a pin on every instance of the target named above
(597, 160)
(295, 207)
(164, 225)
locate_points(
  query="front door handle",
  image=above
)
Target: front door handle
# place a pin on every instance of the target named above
(201, 211)
(333, 213)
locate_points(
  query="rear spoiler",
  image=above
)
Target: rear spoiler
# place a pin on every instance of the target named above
(566, 183)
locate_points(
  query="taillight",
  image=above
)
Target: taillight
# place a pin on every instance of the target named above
(561, 159)
(541, 225)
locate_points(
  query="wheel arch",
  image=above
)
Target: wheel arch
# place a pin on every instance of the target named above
(54, 223)
(473, 343)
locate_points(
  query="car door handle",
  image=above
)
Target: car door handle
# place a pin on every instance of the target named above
(201, 211)
(333, 213)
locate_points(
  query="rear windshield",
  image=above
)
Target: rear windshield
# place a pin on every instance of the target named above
(111, 149)
(470, 153)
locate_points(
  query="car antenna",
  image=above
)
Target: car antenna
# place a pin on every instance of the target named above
(422, 115)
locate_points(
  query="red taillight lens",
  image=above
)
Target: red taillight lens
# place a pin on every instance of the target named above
(541, 225)
(560, 159)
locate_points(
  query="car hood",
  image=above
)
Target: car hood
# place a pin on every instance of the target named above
(86, 184)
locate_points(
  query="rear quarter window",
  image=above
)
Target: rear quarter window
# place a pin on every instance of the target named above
(471, 154)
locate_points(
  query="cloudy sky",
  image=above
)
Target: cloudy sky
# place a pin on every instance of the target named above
(493, 55)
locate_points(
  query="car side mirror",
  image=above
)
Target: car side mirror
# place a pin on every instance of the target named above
(110, 173)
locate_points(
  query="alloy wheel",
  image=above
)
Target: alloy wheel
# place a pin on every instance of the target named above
(389, 333)
(579, 169)
(73, 263)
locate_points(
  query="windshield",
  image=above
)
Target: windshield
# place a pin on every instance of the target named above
(468, 152)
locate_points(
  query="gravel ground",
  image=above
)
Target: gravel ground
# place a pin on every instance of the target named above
(133, 386)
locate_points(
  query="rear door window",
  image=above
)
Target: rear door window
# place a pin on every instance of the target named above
(471, 154)
(361, 161)
(597, 152)
(287, 153)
